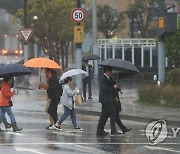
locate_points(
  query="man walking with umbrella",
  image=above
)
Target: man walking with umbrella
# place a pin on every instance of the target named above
(106, 98)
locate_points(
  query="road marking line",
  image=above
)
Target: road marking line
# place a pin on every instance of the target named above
(161, 148)
(61, 143)
(28, 150)
(16, 133)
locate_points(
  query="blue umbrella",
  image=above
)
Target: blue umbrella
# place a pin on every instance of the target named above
(13, 70)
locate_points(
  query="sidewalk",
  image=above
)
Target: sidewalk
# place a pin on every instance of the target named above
(130, 110)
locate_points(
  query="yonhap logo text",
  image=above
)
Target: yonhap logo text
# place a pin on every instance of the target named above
(157, 132)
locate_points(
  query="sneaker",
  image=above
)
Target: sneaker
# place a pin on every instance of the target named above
(52, 127)
(1, 130)
(58, 127)
(78, 128)
(90, 97)
(48, 126)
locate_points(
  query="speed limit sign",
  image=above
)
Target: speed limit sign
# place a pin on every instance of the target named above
(78, 15)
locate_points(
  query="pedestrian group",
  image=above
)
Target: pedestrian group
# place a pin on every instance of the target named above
(64, 93)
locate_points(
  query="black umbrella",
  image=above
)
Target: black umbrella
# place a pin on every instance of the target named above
(90, 57)
(124, 67)
(13, 70)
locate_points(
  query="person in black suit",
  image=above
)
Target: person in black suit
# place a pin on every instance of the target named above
(106, 98)
(117, 105)
(87, 80)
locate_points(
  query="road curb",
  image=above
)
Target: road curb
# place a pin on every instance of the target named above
(131, 118)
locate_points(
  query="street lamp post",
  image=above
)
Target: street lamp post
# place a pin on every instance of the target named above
(161, 48)
(26, 78)
(94, 36)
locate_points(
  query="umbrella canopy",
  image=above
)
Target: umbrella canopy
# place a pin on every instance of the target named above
(90, 57)
(42, 63)
(120, 65)
(73, 72)
(13, 70)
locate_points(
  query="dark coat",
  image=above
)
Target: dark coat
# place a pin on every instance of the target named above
(53, 90)
(90, 68)
(117, 102)
(106, 94)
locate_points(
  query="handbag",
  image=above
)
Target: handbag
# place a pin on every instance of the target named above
(78, 100)
(10, 103)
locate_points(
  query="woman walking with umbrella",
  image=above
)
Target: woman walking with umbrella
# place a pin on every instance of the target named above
(7, 71)
(68, 103)
(6, 95)
(54, 92)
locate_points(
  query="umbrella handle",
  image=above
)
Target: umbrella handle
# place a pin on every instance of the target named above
(40, 72)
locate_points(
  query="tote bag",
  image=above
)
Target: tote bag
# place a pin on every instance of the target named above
(78, 100)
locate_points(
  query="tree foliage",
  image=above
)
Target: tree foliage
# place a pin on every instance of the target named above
(142, 13)
(54, 27)
(109, 20)
(172, 47)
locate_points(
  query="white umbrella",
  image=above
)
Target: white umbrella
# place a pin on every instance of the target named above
(73, 72)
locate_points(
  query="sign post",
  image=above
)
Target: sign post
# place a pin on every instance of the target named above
(78, 15)
(26, 34)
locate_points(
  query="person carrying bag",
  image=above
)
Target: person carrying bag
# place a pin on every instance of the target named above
(68, 103)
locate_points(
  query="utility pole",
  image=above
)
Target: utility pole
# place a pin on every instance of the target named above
(161, 54)
(94, 36)
(79, 56)
(26, 78)
(167, 25)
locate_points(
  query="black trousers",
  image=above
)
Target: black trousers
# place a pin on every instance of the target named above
(87, 81)
(118, 120)
(119, 123)
(52, 110)
(108, 110)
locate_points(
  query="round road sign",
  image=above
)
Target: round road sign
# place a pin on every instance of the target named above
(78, 15)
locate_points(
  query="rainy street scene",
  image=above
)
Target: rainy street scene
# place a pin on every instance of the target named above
(89, 77)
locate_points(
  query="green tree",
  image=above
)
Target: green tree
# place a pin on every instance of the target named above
(172, 47)
(54, 27)
(109, 20)
(140, 12)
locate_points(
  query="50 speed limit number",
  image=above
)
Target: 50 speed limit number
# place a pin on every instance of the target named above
(78, 15)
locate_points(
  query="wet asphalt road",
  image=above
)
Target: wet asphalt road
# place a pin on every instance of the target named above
(36, 139)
